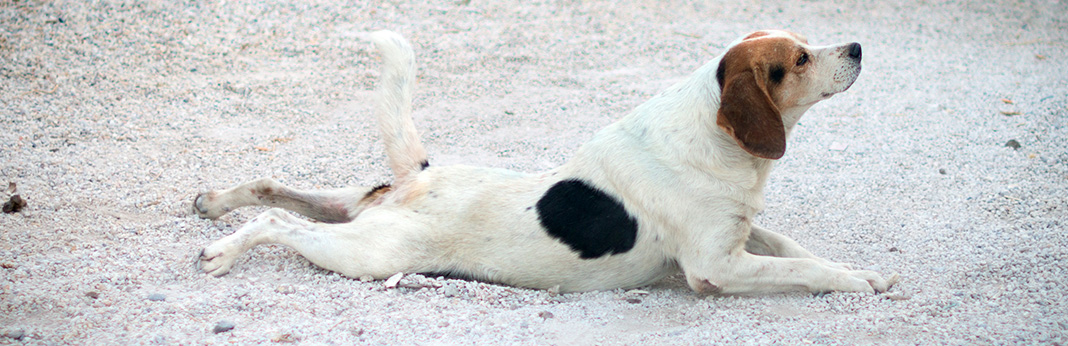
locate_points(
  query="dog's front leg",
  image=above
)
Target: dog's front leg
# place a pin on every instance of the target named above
(768, 243)
(716, 261)
(742, 272)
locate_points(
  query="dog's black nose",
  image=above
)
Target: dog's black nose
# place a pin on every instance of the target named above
(854, 50)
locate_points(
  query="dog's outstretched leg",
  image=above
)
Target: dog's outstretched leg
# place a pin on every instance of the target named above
(766, 262)
(768, 243)
(333, 206)
(407, 157)
(741, 272)
(406, 154)
(379, 244)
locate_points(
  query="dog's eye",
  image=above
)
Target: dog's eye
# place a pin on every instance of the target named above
(802, 59)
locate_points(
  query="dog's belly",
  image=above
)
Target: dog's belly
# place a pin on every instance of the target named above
(486, 224)
(530, 258)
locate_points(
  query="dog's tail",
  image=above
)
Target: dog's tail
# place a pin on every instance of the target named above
(394, 110)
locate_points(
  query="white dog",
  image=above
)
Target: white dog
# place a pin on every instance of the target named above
(673, 185)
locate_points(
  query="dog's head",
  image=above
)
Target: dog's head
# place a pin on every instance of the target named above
(769, 75)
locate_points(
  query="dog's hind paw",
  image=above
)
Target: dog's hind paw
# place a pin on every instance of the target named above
(215, 260)
(202, 206)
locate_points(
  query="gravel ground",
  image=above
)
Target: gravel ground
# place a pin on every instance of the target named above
(947, 162)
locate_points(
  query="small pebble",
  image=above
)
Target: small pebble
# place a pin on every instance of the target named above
(634, 300)
(942, 171)
(14, 204)
(394, 280)
(545, 315)
(285, 289)
(285, 338)
(157, 297)
(1012, 143)
(638, 292)
(451, 291)
(16, 334)
(896, 296)
(223, 326)
(95, 294)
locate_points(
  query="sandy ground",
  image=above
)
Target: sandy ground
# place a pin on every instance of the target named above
(114, 115)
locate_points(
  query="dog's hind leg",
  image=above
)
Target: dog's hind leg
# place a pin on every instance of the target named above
(333, 206)
(377, 244)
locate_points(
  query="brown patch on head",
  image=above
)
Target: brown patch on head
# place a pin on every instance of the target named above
(762, 33)
(750, 76)
(755, 35)
(798, 37)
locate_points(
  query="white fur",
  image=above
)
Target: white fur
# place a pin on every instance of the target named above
(693, 190)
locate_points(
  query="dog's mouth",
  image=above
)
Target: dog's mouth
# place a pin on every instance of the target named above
(845, 79)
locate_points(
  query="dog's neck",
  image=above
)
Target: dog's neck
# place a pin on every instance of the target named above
(679, 125)
(678, 128)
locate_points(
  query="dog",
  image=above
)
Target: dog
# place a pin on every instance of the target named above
(673, 185)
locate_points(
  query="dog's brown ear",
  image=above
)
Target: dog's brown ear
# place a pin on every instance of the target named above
(747, 113)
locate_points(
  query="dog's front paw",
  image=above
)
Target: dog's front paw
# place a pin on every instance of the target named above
(867, 281)
(205, 206)
(887, 284)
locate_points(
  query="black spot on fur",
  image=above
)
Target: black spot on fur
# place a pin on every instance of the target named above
(423, 165)
(777, 73)
(589, 221)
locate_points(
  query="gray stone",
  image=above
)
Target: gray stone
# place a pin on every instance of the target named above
(223, 326)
